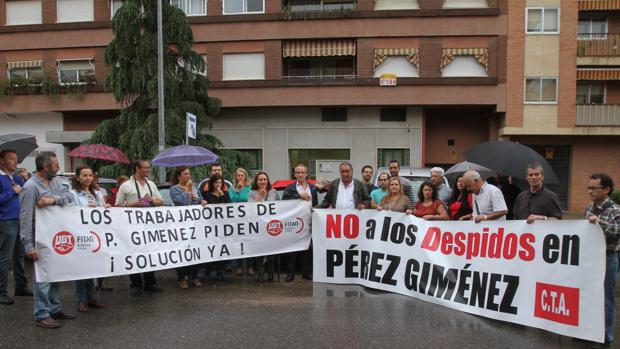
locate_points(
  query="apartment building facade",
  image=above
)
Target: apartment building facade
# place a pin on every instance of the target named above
(301, 81)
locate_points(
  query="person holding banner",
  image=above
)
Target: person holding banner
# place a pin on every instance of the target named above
(300, 190)
(378, 194)
(395, 200)
(606, 214)
(139, 191)
(239, 193)
(184, 193)
(215, 194)
(460, 201)
(262, 191)
(429, 206)
(85, 194)
(346, 192)
(488, 200)
(43, 190)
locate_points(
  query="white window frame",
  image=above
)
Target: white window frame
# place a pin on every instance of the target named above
(542, 21)
(80, 21)
(244, 12)
(39, 20)
(589, 95)
(59, 63)
(8, 74)
(540, 79)
(112, 8)
(188, 4)
(203, 73)
(589, 35)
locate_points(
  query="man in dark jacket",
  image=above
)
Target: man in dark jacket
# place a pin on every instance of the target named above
(300, 190)
(346, 192)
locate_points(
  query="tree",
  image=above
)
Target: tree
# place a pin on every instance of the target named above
(132, 54)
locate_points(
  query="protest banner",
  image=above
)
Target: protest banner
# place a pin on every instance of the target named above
(548, 274)
(82, 242)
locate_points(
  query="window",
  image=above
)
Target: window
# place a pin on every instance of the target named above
(256, 159)
(116, 4)
(384, 156)
(320, 5)
(464, 66)
(74, 11)
(23, 12)
(244, 66)
(590, 93)
(396, 4)
(394, 114)
(592, 29)
(76, 72)
(195, 71)
(237, 7)
(334, 114)
(191, 7)
(541, 90)
(398, 65)
(541, 20)
(465, 4)
(25, 76)
(319, 67)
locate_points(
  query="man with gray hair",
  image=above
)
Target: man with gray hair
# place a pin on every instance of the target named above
(43, 190)
(488, 201)
(537, 202)
(443, 192)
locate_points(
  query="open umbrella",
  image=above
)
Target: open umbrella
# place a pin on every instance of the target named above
(99, 152)
(509, 159)
(465, 166)
(184, 155)
(22, 144)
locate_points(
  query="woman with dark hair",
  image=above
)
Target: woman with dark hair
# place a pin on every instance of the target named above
(184, 193)
(215, 193)
(85, 194)
(428, 206)
(460, 200)
(262, 191)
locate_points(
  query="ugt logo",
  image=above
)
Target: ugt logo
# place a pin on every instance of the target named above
(63, 242)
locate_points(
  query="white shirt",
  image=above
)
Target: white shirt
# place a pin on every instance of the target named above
(127, 192)
(345, 196)
(301, 189)
(489, 200)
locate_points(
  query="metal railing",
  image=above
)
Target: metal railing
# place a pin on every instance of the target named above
(603, 44)
(598, 115)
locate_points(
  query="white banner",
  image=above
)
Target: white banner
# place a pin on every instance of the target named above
(81, 242)
(547, 275)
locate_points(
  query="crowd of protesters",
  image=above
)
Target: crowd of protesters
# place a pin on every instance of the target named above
(472, 198)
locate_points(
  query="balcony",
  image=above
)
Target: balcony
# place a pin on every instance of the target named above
(598, 115)
(598, 45)
(598, 5)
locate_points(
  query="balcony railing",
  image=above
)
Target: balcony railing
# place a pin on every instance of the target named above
(604, 44)
(598, 114)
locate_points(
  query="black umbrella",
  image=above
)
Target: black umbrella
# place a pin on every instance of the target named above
(21, 143)
(509, 159)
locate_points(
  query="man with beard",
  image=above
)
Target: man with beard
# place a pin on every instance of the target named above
(43, 190)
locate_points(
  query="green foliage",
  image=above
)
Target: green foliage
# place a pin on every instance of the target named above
(615, 196)
(132, 54)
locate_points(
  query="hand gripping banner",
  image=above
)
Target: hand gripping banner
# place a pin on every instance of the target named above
(547, 275)
(81, 242)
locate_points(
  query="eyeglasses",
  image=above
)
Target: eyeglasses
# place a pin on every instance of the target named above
(594, 188)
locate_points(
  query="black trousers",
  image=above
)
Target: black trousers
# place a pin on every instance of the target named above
(305, 261)
(137, 280)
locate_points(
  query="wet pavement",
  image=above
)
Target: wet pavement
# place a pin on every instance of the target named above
(241, 313)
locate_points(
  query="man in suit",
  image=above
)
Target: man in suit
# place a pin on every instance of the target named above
(346, 192)
(300, 190)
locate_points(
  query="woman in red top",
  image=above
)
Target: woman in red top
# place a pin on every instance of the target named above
(428, 206)
(460, 201)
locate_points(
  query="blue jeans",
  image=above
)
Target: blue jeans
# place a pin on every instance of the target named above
(9, 233)
(85, 291)
(46, 299)
(611, 272)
